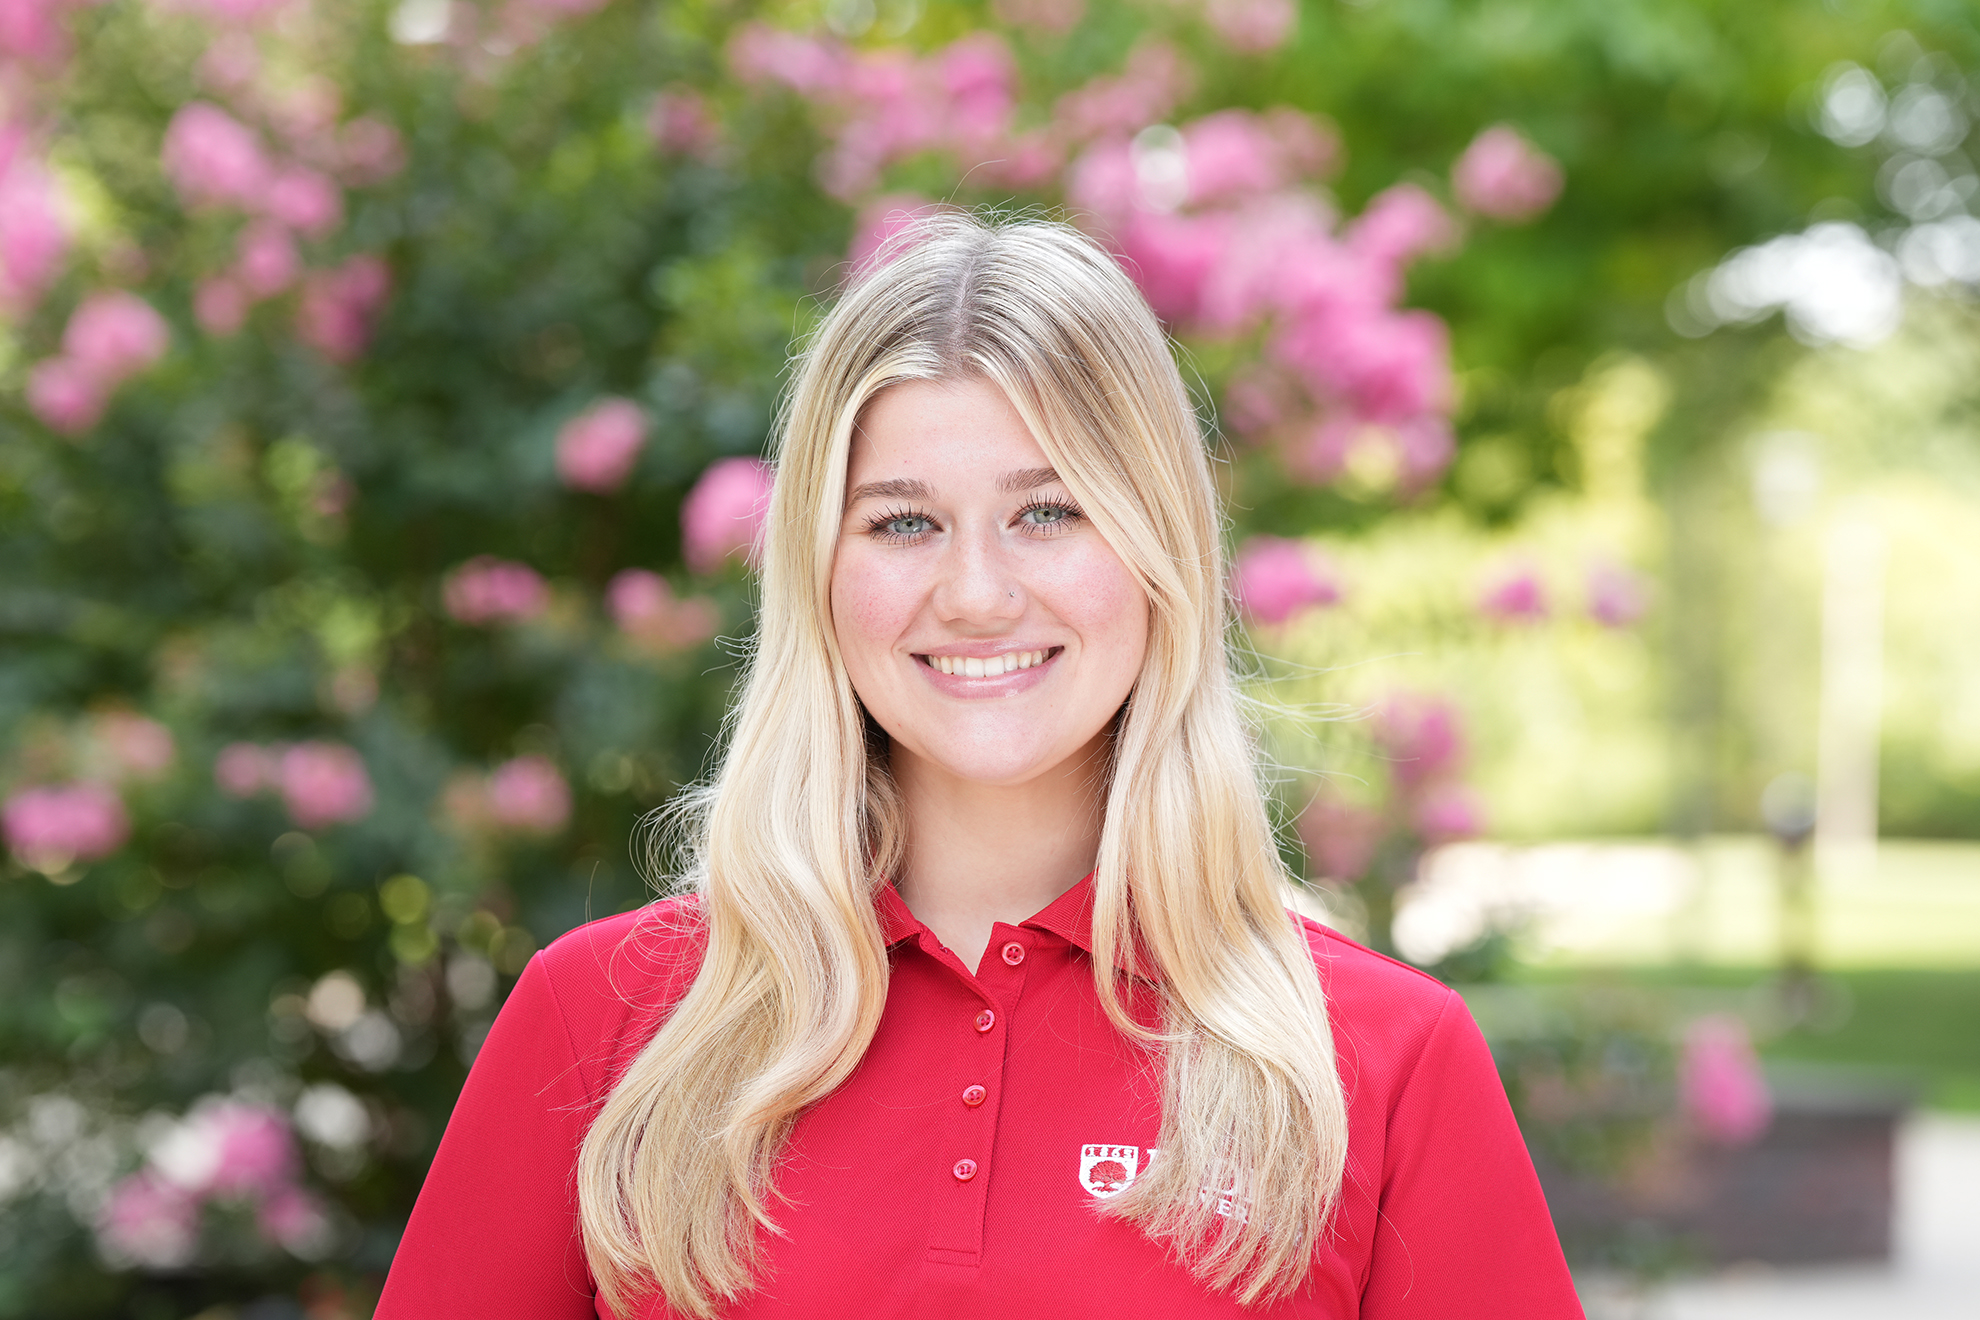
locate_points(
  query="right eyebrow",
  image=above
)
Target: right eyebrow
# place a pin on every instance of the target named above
(897, 489)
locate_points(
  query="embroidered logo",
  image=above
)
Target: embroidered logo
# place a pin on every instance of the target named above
(1107, 1170)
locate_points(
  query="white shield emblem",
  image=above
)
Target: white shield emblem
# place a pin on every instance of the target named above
(1107, 1170)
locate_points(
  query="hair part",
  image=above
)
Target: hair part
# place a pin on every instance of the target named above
(791, 836)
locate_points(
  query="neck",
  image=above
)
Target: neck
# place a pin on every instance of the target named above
(982, 853)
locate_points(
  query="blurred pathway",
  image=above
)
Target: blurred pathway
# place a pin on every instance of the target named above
(1935, 1275)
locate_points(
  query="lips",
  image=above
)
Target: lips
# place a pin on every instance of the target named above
(989, 666)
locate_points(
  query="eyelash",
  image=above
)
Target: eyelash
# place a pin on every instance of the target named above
(876, 526)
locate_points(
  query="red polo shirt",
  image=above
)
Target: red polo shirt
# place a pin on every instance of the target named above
(957, 1172)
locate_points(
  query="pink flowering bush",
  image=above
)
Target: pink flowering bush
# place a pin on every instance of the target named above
(110, 337)
(486, 590)
(1340, 836)
(1368, 834)
(1502, 176)
(243, 770)
(526, 796)
(64, 396)
(323, 784)
(215, 160)
(722, 516)
(49, 826)
(338, 307)
(1721, 1091)
(224, 1151)
(1253, 26)
(597, 448)
(682, 123)
(149, 1222)
(1448, 811)
(1616, 596)
(134, 746)
(649, 613)
(1274, 579)
(529, 795)
(34, 233)
(1422, 736)
(1516, 595)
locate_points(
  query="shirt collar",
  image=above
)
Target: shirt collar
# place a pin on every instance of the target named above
(1069, 916)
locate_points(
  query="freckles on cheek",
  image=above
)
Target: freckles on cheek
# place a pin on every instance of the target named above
(1095, 590)
(873, 603)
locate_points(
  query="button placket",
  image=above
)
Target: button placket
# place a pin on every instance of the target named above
(956, 1230)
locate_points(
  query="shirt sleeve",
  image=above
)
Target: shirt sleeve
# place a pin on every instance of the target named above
(1464, 1229)
(494, 1233)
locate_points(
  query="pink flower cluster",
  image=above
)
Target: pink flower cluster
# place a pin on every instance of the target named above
(1341, 836)
(1055, 16)
(1503, 176)
(526, 796)
(32, 32)
(722, 517)
(111, 336)
(1614, 596)
(486, 590)
(886, 105)
(320, 783)
(1720, 1087)
(34, 233)
(132, 746)
(1422, 736)
(340, 305)
(648, 612)
(217, 162)
(1617, 597)
(1514, 595)
(225, 1150)
(1274, 579)
(597, 448)
(1215, 221)
(1252, 26)
(682, 124)
(51, 826)
(1212, 222)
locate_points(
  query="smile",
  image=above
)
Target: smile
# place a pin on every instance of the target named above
(989, 666)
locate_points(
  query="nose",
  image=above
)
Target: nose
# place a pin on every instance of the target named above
(979, 583)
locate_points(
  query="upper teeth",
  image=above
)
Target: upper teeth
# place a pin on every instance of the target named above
(970, 666)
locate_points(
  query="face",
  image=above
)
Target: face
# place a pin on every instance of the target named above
(984, 622)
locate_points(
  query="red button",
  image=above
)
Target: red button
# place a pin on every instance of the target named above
(1013, 953)
(974, 1095)
(965, 1170)
(985, 1020)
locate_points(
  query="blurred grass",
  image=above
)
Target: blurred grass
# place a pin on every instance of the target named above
(1917, 1023)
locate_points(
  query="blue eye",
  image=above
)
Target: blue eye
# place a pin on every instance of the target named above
(1048, 517)
(895, 526)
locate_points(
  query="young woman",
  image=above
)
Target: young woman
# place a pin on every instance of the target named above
(984, 1000)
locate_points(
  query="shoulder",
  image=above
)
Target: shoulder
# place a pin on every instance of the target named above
(639, 950)
(1383, 1011)
(615, 980)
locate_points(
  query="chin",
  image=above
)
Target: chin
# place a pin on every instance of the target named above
(1001, 766)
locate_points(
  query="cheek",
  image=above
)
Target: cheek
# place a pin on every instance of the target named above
(873, 602)
(1099, 598)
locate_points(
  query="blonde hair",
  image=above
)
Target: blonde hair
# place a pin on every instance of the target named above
(801, 822)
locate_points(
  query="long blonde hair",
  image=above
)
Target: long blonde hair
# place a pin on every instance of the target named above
(801, 822)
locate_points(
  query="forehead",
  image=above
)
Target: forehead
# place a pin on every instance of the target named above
(946, 433)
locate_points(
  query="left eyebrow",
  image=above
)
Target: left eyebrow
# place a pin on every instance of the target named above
(1024, 479)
